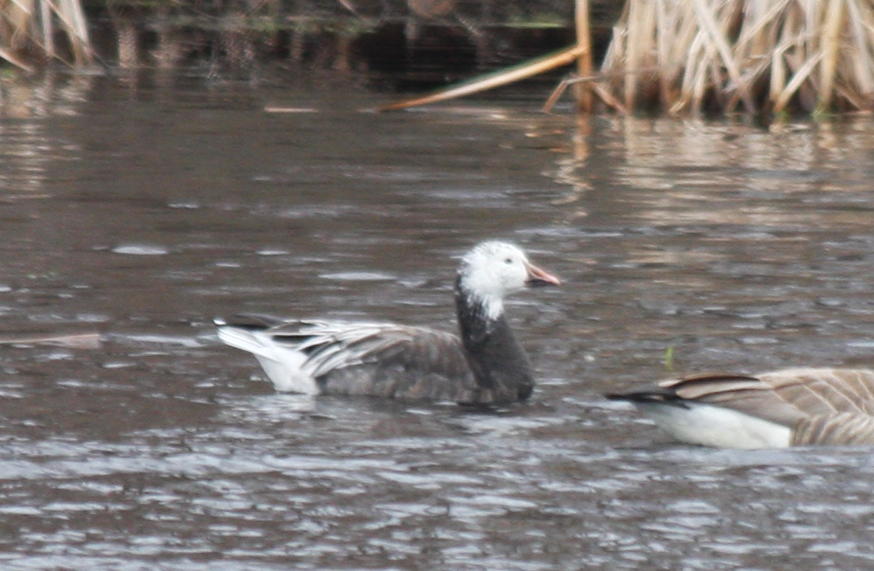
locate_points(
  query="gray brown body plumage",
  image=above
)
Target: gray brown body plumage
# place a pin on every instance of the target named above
(485, 364)
(388, 360)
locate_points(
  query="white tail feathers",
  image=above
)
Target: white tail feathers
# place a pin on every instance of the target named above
(285, 366)
(245, 340)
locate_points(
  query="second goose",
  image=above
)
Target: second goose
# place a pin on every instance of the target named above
(788, 407)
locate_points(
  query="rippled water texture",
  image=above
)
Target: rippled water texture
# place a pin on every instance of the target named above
(132, 214)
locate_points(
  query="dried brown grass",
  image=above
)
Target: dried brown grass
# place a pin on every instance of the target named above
(758, 55)
(28, 30)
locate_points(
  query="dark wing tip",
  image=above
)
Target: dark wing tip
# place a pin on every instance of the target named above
(248, 321)
(636, 396)
(654, 395)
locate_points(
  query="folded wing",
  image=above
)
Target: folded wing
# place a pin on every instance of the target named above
(783, 396)
(380, 359)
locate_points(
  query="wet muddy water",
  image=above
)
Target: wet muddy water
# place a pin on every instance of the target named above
(132, 214)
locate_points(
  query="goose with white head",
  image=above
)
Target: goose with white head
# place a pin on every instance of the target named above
(484, 365)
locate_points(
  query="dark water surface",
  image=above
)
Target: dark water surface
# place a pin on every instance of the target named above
(139, 212)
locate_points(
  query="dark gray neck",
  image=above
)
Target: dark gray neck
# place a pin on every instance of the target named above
(499, 363)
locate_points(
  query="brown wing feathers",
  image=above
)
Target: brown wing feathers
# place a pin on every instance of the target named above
(838, 429)
(823, 391)
(823, 406)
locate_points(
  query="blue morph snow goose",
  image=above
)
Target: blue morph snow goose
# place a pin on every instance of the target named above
(485, 364)
(788, 407)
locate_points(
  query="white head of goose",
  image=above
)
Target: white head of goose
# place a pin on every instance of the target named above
(484, 365)
(789, 407)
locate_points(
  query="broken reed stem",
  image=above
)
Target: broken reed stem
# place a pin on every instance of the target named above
(594, 82)
(492, 80)
(769, 55)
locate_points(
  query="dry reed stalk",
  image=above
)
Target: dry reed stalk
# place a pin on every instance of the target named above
(584, 59)
(717, 33)
(492, 80)
(48, 29)
(608, 98)
(13, 59)
(761, 54)
(834, 21)
(28, 25)
(778, 73)
(665, 21)
(692, 80)
(640, 42)
(73, 17)
(863, 45)
(597, 89)
(798, 79)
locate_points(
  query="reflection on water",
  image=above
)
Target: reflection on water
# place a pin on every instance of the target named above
(154, 210)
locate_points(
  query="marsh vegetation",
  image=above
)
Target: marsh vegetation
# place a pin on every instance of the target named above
(701, 56)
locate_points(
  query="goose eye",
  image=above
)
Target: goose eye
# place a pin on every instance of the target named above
(508, 260)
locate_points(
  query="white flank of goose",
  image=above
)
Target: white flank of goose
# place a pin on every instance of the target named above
(485, 364)
(789, 407)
